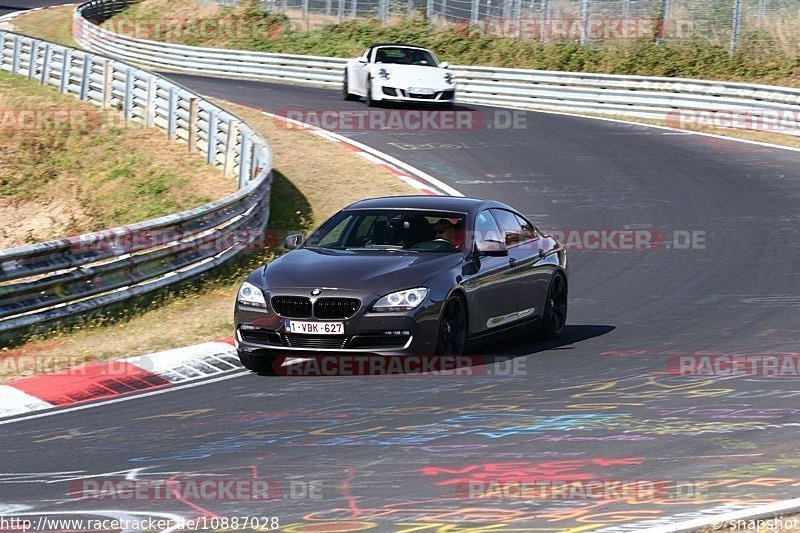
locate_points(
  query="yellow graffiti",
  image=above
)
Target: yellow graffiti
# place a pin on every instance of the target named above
(180, 415)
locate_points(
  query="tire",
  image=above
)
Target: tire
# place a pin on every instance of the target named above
(554, 316)
(368, 98)
(346, 94)
(264, 364)
(452, 334)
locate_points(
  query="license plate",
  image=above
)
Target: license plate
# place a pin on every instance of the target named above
(419, 90)
(314, 328)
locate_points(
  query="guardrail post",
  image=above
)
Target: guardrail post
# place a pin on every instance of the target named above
(626, 9)
(340, 10)
(87, 70)
(150, 106)
(328, 7)
(192, 123)
(545, 21)
(17, 53)
(762, 10)
(585, 7)
(257, 162)
(284, 5)
(245, 158)
(108, 78)
(130, 76)
(304, 9)
(506, 10)
(230, 146)
(475, 12)
(410, 8)
(429, 10)
(383, 8)
(48, 56)
(662, 22)
(211, 149)
(3, 47)
(354, 8)
(172, 113)
(66, 63)
(737, 25)
(32, 63)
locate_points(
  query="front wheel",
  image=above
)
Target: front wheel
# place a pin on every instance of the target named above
(452, 328)
(554, 316)
(368, 99)
(263, 364)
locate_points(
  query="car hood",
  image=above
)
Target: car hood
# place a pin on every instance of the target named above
(412, 75)
(379, 272)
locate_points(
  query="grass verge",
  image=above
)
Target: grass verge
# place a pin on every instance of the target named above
(66, 167)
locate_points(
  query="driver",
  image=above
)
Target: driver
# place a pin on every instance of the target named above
(444, 229)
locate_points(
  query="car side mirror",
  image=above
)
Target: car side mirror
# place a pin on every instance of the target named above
(491, 248)
(444, 64)
(362, 60)
(293, 241)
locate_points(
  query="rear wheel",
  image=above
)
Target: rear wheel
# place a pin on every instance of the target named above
(346, 94)
(263, 364)
(554, 317)
(452, 328)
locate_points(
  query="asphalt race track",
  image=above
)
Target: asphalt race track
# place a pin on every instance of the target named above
(395, 453)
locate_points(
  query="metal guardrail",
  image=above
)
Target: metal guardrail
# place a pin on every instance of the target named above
(636, 96)
(59, 280)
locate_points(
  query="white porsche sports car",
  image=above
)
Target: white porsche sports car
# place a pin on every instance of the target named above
(398, 73)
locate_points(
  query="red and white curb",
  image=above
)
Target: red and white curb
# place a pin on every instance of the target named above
(416, 178)
(108, 379)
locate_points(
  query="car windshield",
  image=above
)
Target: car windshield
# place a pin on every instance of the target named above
(405, 56)
(391, 230)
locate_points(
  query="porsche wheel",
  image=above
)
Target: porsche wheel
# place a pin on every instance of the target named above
(452, 328)
(346, 94)
(368, 98)
(554, 317)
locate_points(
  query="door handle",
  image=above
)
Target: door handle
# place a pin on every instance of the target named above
(512, 262)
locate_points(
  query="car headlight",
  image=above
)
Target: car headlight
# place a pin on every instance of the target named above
(401, 300)
(251, 295)
(383, 74)
(448, 78)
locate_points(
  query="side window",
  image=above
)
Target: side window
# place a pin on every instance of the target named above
(486, 227)
(528, 231)
(510, 225)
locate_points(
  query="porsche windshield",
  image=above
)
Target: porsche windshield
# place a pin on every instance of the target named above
(405, 56)
(392, 230)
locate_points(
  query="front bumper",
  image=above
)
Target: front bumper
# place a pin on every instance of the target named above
(415, 332)
(402, 95)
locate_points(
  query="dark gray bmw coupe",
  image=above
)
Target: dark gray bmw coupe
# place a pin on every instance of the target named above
(400, 276)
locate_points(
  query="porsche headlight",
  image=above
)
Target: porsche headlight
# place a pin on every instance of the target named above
(401, 300)
(448, 78)
(383, 74)
(251, 295)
